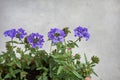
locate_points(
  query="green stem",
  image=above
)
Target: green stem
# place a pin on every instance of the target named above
(76, 40)
(50, 47)
(21, 41)
(12, 43)
(65, 43)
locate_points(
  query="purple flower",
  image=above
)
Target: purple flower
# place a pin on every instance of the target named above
(81, 32)
(21, 33)
(35, 40)
(11, 33)
(56, 35)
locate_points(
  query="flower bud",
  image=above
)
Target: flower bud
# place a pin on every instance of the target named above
(77, 56)
(95, 59)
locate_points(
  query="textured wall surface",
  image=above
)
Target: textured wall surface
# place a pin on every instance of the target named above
(102, 17)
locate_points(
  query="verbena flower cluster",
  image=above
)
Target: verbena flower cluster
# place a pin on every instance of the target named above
(11, 33)
(20, 33)
(82, 32)
(56, 35)
(35, 40)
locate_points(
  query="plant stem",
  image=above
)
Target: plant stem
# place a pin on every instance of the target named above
(65, 43)
(21, 41)
(50, 47)
(76, 40)
(12, 43)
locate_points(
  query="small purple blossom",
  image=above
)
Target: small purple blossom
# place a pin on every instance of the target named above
(20, 33)
(35, 40)
(11, 33)
(81, 32)
(56, 35)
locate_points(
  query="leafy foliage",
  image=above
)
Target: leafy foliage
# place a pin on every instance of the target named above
(37, 64)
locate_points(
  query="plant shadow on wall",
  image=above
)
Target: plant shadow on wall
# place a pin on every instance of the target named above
(37, 64)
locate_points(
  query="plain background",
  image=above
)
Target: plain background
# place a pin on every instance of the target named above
(101, 17)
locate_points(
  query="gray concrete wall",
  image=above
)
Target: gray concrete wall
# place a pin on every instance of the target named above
(102, 17)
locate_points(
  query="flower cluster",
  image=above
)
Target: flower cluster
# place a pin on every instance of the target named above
(11, 33)
(20, 33)
(35, 40)
(56, 35)
(81, 32)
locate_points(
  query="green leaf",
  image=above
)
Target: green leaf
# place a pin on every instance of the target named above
(39, 78)
(18, 64)
(37, 64)
(71, 44)
(1, 76)
(28, 62)
(12, 73)
(94, 73)
(44, 68)
(76, 44)
(59, 69)
(79, 39)
(18, 50)
(17, 71)
(43, 77)
(23, 74)
(13, 42)
(86, 61)
(7, 75)
(10, 64)
(92, 65)
(77, 74)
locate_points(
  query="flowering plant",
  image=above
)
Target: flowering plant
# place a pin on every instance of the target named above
(34, 63)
